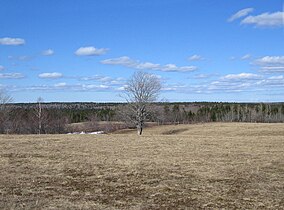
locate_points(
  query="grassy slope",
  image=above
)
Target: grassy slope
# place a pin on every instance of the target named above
(170, 167)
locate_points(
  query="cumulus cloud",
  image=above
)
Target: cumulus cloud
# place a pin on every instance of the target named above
(270, 64)
(195, 58)
(241, 13)
(12, 76)
(265, 19)
(11, 41)
(2, 68)
(128, 62)
(47, 52)
(53, 75)
(90, 51)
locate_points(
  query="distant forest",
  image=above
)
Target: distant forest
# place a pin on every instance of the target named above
(23, 118)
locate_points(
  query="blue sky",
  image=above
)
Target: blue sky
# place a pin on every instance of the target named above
(202, 50)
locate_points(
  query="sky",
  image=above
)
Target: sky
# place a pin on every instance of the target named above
(85, 51)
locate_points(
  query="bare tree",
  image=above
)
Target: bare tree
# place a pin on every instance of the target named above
(4, 99)
(38, 113)
(141, 90)
(4, 111)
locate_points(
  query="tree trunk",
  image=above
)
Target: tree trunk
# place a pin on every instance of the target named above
(139, 129)
(39, 127)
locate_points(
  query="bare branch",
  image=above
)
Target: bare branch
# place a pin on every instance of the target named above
(38, 113)
(4, 99)
(141, 90)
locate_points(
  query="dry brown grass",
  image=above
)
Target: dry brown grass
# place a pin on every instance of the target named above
(205, 166)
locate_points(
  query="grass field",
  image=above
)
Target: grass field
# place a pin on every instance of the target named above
(204, 166)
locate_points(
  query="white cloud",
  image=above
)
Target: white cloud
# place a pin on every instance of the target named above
(54, 75)
(11, 76)
(195, 58)
(229, 83)
(270, 64)
(232, 83)
(121, 88)
(24, 58)
(244, 82)
(246, 57)
(60, 85)
(272, 82)
(47, 52)
(147, 65)
(241, 13)
(270, 60)
(93, 87)
(204, 76)
(227, 87)
(272, 69)
(124, 61)
(174, 68)
(35, 87)
(2, 68)
(201, 76)
(128, 62)
(277, 77)
(96, 77)
(90, 51)
(63, 86)
(174, 87)
(241, 76)
(20, 58)
(11, 41)
(55, 87)
(104, 79)
(275, 19)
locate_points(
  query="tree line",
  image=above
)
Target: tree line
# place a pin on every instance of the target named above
(25, 119)
(223, 112)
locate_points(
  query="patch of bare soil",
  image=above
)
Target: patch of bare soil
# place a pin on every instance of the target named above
(174, 131)
(212, 166)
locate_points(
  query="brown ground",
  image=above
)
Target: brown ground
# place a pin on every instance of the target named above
(205, 166)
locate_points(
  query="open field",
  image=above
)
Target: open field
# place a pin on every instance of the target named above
(204, 166)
